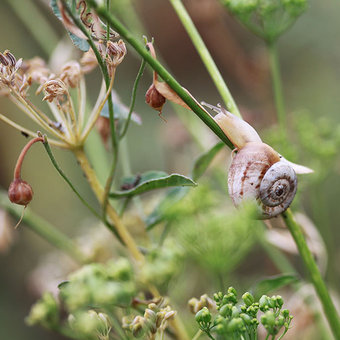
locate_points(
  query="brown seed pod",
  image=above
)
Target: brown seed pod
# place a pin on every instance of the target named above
(20, 192)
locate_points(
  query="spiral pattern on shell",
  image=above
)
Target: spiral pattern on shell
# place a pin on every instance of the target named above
(256, 173)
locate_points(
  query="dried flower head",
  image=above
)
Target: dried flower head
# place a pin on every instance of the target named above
(54, 89)
(71, 74)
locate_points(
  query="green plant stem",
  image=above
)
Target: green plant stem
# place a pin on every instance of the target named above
(87, 205)
(44, 229)
(133, 98)
(314, 273)
(197, 335)
(166, 76)
(205, 56)
(277, 86)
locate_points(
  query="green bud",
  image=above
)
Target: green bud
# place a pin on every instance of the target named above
(232, 291)
(236, 325)
(248, 299)
(88, 324)
(278, 301)
(280, 321)
(120, 270)
(203, 315)
(225, 310)
(264, 303)
(45, 312)
(235, 312)
(268, 319)
(246, 318)
(271, 302)
(285, 313)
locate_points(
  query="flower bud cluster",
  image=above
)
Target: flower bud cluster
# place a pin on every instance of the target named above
(239, 321)
(155, 319)
(90, 324)
(162, 264)
(99, 285)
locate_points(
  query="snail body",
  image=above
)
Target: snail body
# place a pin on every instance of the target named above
(257, 172)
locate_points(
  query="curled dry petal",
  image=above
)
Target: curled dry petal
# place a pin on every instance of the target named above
(68, 23)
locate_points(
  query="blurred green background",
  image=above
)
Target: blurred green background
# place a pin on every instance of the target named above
(310, 63)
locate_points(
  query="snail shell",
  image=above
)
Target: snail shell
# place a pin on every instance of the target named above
(258, 173)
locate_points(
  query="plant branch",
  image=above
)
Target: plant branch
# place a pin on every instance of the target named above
(133, 98)
(314, 273)
(206, 57)
(87, 205)
(99, 192)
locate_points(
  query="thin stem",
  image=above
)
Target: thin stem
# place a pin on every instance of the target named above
(314, 273)
(29, 132)
(197, 335)
(17, 169)
(277, 86)
(44, 229)
(133, 98)
(99, 192)
(62, 174)
(205, 56)
(166, 76)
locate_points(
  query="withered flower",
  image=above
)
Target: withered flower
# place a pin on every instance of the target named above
(53, 89)
(159, 91)
(71, 74)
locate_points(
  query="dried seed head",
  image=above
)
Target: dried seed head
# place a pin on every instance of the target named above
(54, 89)
(71, 74)
(36, 70)
(115, 53)
(154, 98)
(8, 70)
(20, 192)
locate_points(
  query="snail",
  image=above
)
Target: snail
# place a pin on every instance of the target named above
(257, 172)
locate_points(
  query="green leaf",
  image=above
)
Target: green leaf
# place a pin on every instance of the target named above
(273, 283)
(154, 180)
(175, 195)
(82, 44)
(203, 162)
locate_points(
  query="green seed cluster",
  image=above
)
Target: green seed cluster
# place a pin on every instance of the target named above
(235, 320)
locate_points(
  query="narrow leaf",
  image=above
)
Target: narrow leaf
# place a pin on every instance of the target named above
(154, 180)
(203, 162)
(175, 195)
(273, 283)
